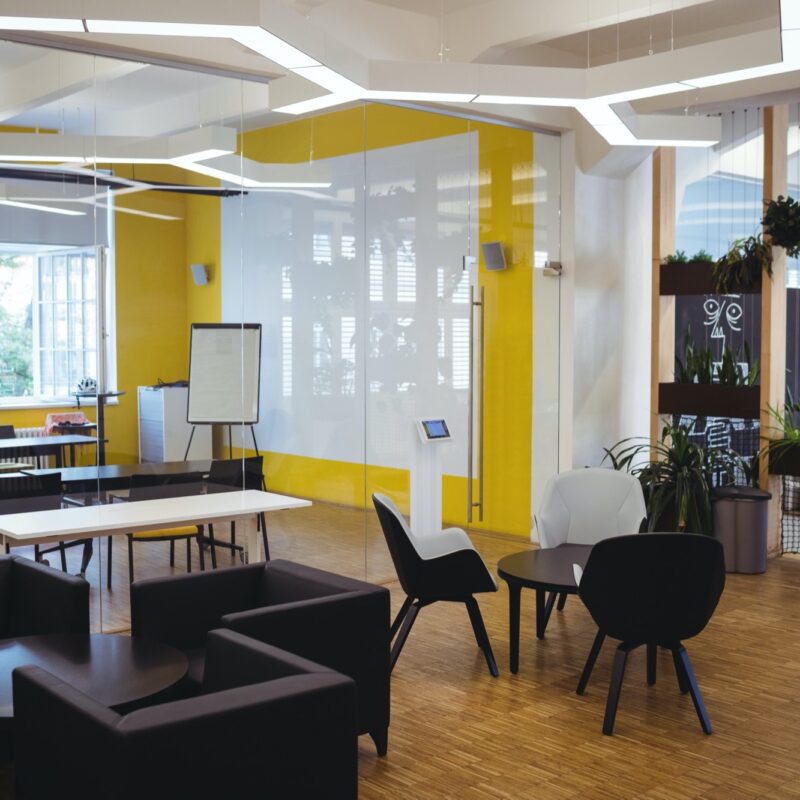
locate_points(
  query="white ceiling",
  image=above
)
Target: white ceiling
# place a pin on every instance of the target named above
(77, 93)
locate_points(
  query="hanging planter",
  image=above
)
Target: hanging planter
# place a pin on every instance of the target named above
(740, 269)
(782, 224)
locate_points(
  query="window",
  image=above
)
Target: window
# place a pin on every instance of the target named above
(49, 323)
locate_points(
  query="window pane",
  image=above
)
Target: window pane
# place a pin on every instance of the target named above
(75, 277)
(61, 386)
(46, 371)
(89, 278)
(76, 311)
(60, 277)
(46, 325)
(46, 278)
(60, 312)
(89, 326)
(89, 366)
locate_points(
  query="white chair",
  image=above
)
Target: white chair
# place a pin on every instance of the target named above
(584, 506)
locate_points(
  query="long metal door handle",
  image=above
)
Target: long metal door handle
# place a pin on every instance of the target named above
(475, 306)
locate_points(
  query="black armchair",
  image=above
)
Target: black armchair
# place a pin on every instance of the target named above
(266, 724)
(36, 600)
(657, 590)
(329, 619)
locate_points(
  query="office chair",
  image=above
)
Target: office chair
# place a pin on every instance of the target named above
(434, 567)
(584, 506)
(652, 589)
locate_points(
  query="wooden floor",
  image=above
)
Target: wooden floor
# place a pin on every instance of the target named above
(458, 733)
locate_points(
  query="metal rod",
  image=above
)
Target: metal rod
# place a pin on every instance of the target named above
(480, 414)
(470, 401)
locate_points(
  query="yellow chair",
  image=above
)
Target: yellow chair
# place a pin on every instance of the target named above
(157, 487)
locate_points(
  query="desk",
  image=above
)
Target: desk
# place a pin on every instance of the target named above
(546, 570)
(71, 428)
(65, 524)
(114, 670)
(42, 446)
(118, 476)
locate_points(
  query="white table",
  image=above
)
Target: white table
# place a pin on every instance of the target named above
(64, 524)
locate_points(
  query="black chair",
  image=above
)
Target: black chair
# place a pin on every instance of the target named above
(439, 566)
(657, 590)
(7, 432)
(159, 487)
(37, 600)
(228, 475)
(265, 724)
(329, 619)
(21, 494)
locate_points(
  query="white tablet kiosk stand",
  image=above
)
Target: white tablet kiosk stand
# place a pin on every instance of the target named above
(426, 476)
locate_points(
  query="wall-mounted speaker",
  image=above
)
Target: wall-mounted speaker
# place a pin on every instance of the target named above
(199, 274)
(493, 255)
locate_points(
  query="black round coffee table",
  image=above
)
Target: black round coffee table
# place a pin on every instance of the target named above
(545, 570)
(114, 670)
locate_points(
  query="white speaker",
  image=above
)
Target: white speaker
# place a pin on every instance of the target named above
(493, 256)
(199, 274)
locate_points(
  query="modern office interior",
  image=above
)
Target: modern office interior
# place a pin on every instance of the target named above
(395, 396)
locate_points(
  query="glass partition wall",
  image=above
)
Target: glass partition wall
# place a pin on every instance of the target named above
(386, 256)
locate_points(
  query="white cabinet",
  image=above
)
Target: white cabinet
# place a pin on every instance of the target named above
(163, 430)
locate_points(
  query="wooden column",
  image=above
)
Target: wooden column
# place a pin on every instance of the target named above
(773, 311)
(662, 316)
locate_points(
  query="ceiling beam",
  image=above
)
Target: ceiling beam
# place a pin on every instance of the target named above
(55, 76)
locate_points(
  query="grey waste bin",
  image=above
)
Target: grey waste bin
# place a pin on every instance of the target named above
(740, 523)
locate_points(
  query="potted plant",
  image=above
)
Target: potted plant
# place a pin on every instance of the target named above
(701, 390)
(784, 452)
(739, 270)
(676, 476)
(782, 224)
(680, 274)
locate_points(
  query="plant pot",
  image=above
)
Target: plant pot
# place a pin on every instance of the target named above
(739, 515)
(709, 400)
(693, 277)
(785, 461)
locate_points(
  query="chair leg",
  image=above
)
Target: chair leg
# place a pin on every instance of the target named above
(562, 601)
(62, 551)
(679, 672)
(213, 545)
(481, 637)
(233, 538)
(262, 522)
(37, 555)
(108, 562)
(172, 552)
(130, 558)
(199, 548)
(589, 666)
(548, 609)
(398, 620)
(381, 739)
(652, 653)
(403, 635)
(188, 555)
(620, 657)
(694, 691)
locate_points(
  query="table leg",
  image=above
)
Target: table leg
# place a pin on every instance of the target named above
(541, 619)
(101, 431)
(513, 626)
(252, 539)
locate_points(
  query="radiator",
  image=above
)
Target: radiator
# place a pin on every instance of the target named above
(27, 433)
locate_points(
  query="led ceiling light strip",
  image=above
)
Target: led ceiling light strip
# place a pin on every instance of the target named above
(254, 174)
(67, 212)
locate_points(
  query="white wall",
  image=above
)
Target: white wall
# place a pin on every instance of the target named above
(611, 350)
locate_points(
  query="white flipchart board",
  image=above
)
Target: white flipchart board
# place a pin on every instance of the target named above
(224, 371)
